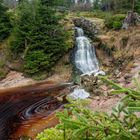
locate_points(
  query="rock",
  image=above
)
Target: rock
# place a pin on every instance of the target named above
(88, 26)
(116, 72)
(105, 93)
(119, 75)
(127, 76)
(103, 87)
(121, 80)
(97, 98)
(97, 92)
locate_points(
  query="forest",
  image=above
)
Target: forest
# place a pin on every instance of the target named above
(69, 69)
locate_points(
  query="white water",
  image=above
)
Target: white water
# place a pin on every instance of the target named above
(79, 94)
(85, 61)
(85, 57)
(84, 1)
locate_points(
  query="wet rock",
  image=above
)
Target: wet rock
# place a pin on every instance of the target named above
(103, 87)
(89, 82)
(97, 98)
(121, 80)
(88, 26)
(127, 76)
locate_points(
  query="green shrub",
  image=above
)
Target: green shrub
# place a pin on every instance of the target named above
(114, 22)
(36, 61)
(117, 25)
(78, 122)
(51, 134)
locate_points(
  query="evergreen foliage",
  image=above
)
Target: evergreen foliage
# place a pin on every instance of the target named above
(78, 122)
(39, 36)
(121, 6)
(5, 26)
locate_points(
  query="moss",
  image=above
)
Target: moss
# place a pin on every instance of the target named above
(117, 25)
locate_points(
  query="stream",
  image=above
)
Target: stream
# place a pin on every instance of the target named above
(85, 61)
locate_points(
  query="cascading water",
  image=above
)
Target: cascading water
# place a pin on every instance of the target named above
(85, 57)
(84, 1)
(85, 61)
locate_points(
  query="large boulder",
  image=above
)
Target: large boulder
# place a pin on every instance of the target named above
(88, 26)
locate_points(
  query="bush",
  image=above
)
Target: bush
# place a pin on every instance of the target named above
(36, 61)
(114, 22)
(51, 134)
(117, 25)
(77, 122)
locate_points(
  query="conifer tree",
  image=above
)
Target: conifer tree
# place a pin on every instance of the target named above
(39, 37)
(5, 26)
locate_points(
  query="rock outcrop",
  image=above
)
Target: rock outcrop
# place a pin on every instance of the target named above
(89, 27)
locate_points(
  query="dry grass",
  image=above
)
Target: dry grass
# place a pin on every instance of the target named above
(62, 70)
(125, 43)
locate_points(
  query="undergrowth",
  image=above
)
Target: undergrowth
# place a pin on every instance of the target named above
(78, 122)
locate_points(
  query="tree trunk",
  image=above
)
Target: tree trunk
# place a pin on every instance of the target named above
(133, 5)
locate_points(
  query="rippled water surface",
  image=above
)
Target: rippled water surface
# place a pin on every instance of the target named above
(27, 110)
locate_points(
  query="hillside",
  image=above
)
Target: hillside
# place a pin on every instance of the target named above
(69, 70)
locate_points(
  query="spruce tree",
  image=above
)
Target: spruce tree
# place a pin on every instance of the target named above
(5, 26)
(39, 37)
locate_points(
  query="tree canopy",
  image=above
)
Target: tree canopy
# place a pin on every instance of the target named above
(39, 36)
(5, 26)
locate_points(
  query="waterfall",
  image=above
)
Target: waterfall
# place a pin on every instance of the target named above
(85, 57)
(85, 61)
(83, 1)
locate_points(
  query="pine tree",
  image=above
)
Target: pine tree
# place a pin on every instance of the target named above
(5, 26)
